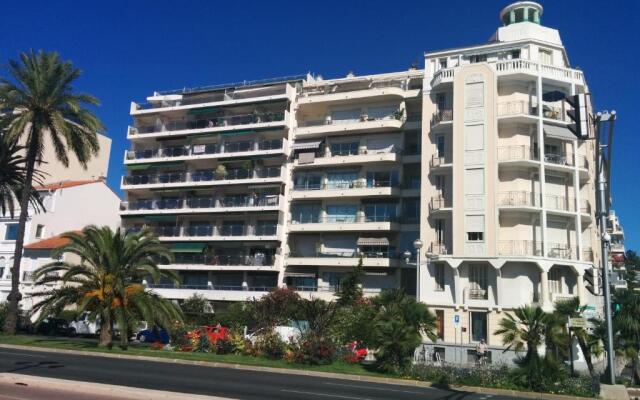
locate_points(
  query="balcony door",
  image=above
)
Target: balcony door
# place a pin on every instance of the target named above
(478, 282)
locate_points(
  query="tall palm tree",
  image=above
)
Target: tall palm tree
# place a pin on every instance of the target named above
(40, 102)
(12, 178)
(108, 280)
(627, 324)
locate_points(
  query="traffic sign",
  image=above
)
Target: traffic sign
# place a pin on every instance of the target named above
(456, 320)
(577, 323)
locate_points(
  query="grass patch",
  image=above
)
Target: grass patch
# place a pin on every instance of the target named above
(339, 367)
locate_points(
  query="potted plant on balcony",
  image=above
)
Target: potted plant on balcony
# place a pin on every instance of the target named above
(221, 172)
(398, 114)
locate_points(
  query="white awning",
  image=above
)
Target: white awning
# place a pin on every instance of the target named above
(306, 145)
(373, 242)
(300, 274)
(558, 132)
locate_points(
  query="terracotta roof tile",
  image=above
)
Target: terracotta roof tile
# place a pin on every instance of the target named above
(49, 244)
(66, 184)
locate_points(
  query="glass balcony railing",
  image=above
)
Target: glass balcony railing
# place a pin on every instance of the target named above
(203, 149)
(258, 259)
(201, 176)
(214, 97)
(198, 202)
(210, 123)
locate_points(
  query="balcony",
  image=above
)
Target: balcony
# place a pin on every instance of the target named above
(560, 203)
(210, 150)
(345, 223)
(566, 160)
(516, 108)
(444, 75)
(520, 248)
(518, 199)
(201, 178)
(357, 188)
(441, 161)
(343, 91)
(327, 126)
(515, 154)
(197, 205)
(361, 156)
(562, 251)
(219, 233)
(441, 249)
(210, 125)
(184, 100)
(519, 66)
(210, 292)
(438, 203)
(346, 259)
(441, 117)
(473, 292)
(206, 260)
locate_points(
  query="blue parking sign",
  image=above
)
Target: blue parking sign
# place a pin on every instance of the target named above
(456, 320)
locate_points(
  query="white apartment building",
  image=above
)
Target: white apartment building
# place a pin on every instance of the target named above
(69, 205)
(290, 182)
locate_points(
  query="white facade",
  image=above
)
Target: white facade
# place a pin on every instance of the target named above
(69, 205)
(472, 155)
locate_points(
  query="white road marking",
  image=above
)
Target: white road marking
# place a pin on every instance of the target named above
(324, 394)
(373, 388)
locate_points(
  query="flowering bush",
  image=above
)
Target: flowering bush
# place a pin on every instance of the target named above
(270, 345)
(311, 349)
(156, 346)
(353, 354)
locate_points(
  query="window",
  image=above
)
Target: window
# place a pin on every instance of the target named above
(440, 324)
(474, 137)
(39, 231)
(411, 210)
(381, 112)
(440, 145)
(475, 236)
(380, 212)
(515, 54)
(478, 326)
(305, 213)
(341, 180)
(443, 63)
(474, 181)
(477, 58)
(333, 279)
(545, 56)
(441, 101)
(342, 213)
(267, 228)
(11, 232)
(441, 184)
(382, 179)
(3, 264)
(440, 231)
(307, 182)
(438, 276)
(478, 282)
(345, 116)
(344, 149)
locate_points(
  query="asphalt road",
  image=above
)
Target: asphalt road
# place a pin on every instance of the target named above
(223, 382)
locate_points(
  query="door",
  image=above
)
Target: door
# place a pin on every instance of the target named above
(440, 324)
(479, 326)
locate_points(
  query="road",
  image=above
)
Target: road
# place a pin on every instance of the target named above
(211, 381)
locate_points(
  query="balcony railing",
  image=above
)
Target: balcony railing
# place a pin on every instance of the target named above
(516, 153)
(554, 111)
(211, 230)
(203, 149)
(560, 250)
(200, 176)
(257, 260)
(441, 116)
(349, 254)
(209, 123)
(357, 184)
(440, 248)
(438, 203)
(559, 203)
(515, 108)
(440, 160)
(518, 199)
(311, 91)
(396, 115)
(567, 159)
(475, 293)
(519, 248)
(215, 97)
(343, 219)
(210, 287)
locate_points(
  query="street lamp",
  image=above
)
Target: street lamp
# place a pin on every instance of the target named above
(417, 244)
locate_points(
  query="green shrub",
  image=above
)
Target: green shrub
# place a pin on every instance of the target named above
(4, 309)
(313, 350)
(224, 346)
(270, 345)
(203, 344)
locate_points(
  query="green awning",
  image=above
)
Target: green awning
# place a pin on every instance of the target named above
(160, 218)
(169, 164)
(238, 133)
(202, 136)
(190, 247)
(257, 156)
(138, 167)
(204, 110)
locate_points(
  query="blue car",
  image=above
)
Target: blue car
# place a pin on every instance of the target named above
(153, 335)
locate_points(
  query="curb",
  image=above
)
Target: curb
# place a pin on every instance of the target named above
(333, 375)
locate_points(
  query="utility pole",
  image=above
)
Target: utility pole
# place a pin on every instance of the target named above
(602, 214)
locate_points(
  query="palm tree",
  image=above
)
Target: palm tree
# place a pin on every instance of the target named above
(524, 329)
(12, 178)
(108, 280)
(40, 102)
(627, 324)
(571, 308)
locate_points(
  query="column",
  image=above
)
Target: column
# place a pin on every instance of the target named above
(543, 213)
(536, 16)
(456, 283)
(512, 16)
(581, 288)
(498, 298)
(245, 285)
(544, 289)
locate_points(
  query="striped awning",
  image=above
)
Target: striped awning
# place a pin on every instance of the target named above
(306, 145)
(300, 274)
(373, 241)
(558, 132)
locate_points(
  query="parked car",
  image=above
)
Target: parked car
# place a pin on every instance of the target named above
(153, 335)
(83, 325)
(54, 327)
(288, 334)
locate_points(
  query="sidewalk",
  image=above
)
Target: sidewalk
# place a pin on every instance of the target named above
(25, 387)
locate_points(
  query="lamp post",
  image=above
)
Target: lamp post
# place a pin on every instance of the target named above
(417, 244)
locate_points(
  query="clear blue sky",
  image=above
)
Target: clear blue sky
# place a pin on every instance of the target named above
(127, 49)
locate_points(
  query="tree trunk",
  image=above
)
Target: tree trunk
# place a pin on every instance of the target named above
(106, 332)
(586, 353)
(14, 297)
